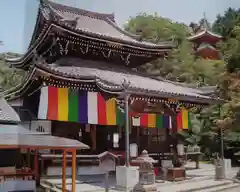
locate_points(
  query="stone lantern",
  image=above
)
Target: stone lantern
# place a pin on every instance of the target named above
(146, 173)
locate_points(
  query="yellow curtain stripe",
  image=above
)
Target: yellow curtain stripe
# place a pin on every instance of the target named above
(184, 118)
(151, 120)
(111, 112)
(63, 104)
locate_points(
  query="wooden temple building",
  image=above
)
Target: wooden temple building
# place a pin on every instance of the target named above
(77, 63)
(205, 42)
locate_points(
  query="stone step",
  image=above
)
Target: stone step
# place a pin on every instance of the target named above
(194, 186)
(222, 188)
(204, 187)
(187, 181)
(211, 173)
(201, 172)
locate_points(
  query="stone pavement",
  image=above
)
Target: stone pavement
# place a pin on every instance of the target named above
(201, 180)
(232, 190)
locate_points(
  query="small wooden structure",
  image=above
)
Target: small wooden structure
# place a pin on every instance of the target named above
(14, 136)
(36, 142)
(176, 174)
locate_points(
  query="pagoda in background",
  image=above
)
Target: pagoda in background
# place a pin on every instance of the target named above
(205, 41)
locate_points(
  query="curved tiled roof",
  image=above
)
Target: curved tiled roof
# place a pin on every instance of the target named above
(97, 24)
(112, 78)
(205, 32)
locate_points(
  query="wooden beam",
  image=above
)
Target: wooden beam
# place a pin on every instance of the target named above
(64, 171)
(74, 168)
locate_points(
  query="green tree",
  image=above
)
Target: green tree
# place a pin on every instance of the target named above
(204, 131)
(154, 28)
(224, 24)
(230, 84)
(229, 26)
(181, 64)
(9, 77)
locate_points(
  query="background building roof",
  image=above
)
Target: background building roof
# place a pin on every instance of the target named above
(7, 113)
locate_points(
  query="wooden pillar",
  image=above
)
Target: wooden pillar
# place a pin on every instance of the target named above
(74, 168)
(36, 165)
(28, 158)
(138, 139)
(64, 164)
(42, 167)
(93, 137)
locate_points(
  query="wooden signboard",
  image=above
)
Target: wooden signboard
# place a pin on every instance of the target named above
(107, 161)
(108, 164)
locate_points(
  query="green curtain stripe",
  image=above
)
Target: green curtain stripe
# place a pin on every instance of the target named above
(73, 106)
(120, 116)
(159, 121)
(189, 120)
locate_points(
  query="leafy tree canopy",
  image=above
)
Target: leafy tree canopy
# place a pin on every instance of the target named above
(181, 64)
(224, 24)
(155, 28)
(9, 77)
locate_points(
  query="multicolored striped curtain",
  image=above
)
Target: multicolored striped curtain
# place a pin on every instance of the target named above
(151, 120)
(63, 104)
(183, 119)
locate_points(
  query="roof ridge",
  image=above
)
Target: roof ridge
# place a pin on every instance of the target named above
(193, 86)
(126, 70)
(200, 33)
(131, 35)
(79, 11)
(162, 89)
(134, 36)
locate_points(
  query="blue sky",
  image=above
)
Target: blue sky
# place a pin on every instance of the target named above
(17, 17)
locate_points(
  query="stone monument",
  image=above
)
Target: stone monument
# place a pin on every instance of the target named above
(146, 174)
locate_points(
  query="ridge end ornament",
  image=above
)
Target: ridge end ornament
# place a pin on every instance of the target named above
(125, 84)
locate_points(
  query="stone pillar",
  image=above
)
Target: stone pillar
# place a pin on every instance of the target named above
(238, 175)
(146, 174)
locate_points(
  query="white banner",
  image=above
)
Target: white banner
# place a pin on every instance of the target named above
(41, 126)
(44, 127)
